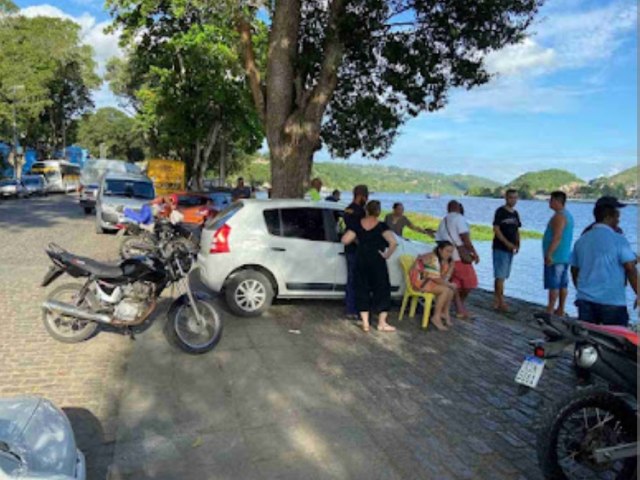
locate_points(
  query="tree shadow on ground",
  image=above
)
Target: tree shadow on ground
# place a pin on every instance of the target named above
(43, 212)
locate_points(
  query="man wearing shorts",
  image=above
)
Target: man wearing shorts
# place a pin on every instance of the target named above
(556, 248)
(506, 243)
(455, 229)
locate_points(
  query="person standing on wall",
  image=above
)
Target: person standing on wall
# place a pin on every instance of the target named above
(556, 248)
(506, 243)
(352, 216)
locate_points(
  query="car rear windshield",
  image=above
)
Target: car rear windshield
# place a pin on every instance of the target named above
(223, 216)
(128, 188)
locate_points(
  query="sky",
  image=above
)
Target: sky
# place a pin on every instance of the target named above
(566, 97)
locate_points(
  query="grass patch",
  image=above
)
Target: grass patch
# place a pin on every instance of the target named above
(479, 233)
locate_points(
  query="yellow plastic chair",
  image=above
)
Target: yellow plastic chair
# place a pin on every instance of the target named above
(406, 261)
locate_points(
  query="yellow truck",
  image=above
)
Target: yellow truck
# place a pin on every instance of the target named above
(168, 175)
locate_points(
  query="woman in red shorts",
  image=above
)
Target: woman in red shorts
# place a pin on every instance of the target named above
(430, 273)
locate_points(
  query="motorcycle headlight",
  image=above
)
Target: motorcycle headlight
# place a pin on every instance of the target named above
(586, 356)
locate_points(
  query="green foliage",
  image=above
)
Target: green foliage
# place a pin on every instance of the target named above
(7, 6)
(628, 177)
(544, 181)
(479, 233)
(377, 177)
(119, 133)
(47, 75)
(185, 80)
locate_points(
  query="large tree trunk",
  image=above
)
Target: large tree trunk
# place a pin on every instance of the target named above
(291, 114)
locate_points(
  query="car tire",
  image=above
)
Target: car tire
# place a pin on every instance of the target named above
(88, 210)
(249, 293)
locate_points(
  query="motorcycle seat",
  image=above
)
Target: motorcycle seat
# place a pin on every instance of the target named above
(93, 267)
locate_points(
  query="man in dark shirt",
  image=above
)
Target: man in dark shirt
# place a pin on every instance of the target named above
(506, 243)
(334, 197)
(241, 191)
(352, 216)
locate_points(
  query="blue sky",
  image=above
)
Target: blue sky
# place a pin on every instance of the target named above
(564, 98)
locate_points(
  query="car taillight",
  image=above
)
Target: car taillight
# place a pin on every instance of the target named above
(220, 240)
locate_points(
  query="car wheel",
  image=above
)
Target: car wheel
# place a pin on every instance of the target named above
(249, 293)
(88, 210)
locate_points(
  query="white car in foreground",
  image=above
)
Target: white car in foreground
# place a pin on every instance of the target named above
(257, 250)
(37, 442)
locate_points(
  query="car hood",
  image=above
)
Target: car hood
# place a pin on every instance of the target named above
(7, 187)
(41, 434)
(136, 203)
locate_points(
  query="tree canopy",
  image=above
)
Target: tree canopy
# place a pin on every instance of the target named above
(47, 76)
(185, 80)
(119, 133)
(341, 73)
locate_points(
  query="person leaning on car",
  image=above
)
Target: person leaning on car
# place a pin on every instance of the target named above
(601, 262)
(352, 216)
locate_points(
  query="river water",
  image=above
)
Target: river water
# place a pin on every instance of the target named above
(526, 275)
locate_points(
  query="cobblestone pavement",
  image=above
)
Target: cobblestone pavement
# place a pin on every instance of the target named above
(302, 394)
(83, 379)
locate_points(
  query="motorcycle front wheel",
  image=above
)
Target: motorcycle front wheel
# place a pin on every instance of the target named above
(64, 328)
(192, 334)
(589, 420)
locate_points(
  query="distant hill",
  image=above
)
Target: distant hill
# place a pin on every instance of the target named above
(627, 178)
(545, 180)
(379, 178)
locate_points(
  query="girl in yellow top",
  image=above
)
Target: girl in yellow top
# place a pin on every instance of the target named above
(431, 273)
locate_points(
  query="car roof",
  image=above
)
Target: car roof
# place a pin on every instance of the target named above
(126, 176)
(292, 203)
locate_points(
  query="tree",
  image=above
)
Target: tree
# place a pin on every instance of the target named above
(346, 72)
(46, 77)
(349, 72)
(119, 133)
(187, 86)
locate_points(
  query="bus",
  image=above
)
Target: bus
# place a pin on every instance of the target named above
(168, 175)
(61, 176)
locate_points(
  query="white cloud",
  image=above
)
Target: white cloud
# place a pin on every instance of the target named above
(527, 56)
(92, 33)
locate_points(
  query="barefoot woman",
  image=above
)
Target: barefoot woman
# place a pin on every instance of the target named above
(430, 273)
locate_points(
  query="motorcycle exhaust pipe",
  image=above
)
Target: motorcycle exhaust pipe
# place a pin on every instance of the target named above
(72, 311)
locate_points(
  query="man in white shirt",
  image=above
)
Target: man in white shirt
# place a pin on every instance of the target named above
(454, 228)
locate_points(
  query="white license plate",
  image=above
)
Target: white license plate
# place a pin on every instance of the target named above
(530, 371)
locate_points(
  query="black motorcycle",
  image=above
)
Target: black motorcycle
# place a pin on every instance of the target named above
(139, 240)
(593, 432)
(123, 295)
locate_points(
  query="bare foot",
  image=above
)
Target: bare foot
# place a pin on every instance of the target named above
(447, 320)
(365, 327)
(386, 328)
(438, 324)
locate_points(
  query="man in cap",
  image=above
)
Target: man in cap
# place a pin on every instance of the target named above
(610, 201)
(601, 262)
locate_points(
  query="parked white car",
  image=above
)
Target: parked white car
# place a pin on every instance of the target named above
(37, 442)
(257, 250)
(35, 184)
(12, 188)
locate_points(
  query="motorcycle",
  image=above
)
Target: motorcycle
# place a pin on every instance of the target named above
(593, 432)
(123, 295)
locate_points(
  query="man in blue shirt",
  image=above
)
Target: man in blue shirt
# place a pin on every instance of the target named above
(601, 261)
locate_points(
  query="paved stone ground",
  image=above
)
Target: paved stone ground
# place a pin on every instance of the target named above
(83, 379)
(333, 403)
(270, 403)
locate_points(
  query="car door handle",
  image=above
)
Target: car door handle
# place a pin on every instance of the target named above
(278, 249)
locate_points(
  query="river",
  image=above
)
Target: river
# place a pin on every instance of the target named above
(526, 275)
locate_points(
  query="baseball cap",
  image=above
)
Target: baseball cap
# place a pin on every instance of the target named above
(607, 201)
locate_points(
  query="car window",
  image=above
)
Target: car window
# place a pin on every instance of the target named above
(272, 219)
(127, 188)
(305, 223)
(223, 216)
(335, 224)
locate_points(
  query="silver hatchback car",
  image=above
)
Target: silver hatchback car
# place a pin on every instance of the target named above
(118, 191)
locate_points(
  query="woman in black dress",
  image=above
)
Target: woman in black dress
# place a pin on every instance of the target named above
(376, 243)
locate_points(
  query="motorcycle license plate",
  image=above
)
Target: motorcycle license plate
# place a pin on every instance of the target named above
(530, 371)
